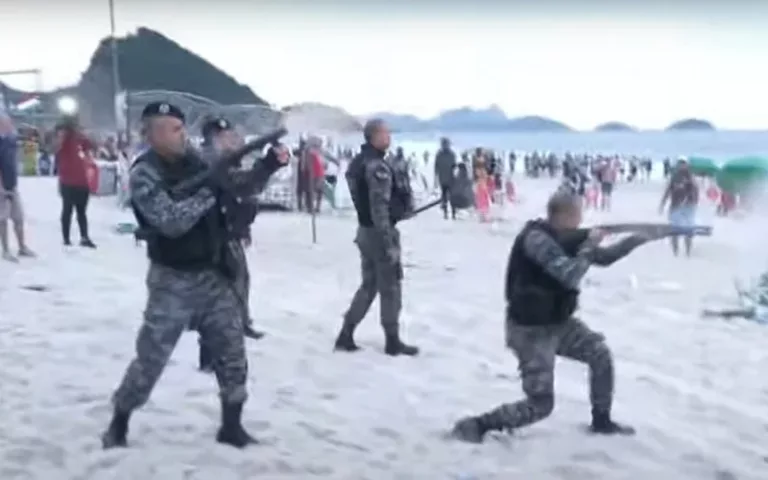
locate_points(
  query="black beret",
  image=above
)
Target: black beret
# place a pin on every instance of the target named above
(162, 109)
(214, 126)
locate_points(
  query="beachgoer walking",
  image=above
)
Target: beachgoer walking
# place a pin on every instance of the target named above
(683, 196)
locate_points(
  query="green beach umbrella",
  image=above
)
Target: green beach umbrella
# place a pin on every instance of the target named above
(740, 174)
(703, 167)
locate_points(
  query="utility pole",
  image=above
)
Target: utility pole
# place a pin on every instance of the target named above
(115, 65)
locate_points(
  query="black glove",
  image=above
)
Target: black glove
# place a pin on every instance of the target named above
(270, 160)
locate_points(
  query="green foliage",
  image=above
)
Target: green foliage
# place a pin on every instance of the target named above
(150, 61)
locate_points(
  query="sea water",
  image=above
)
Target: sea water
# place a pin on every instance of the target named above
(719, 146)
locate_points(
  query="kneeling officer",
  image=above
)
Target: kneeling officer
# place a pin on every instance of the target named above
(547, 262)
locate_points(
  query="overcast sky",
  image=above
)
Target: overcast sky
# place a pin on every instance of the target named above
(648, 65)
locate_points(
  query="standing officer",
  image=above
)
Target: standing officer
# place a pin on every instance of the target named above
(381, 192)
(219, 138)
(190, 275)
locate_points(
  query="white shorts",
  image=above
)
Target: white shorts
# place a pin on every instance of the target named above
(10, 206)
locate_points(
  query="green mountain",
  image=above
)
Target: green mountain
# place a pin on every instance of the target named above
(147, 61)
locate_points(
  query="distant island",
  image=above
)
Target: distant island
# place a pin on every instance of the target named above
(615, 127)
(493, 119)
(466, 119)
(690, 124)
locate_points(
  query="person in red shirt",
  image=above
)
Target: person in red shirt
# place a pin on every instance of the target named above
(313, 171)
(72, 147)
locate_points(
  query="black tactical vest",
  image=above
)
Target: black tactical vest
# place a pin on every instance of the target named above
(401, 196)
(204, 245)
(533, 296)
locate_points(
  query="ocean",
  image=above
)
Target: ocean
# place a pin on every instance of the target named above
(719, 146)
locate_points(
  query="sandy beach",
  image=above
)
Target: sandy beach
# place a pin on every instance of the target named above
(695, 388)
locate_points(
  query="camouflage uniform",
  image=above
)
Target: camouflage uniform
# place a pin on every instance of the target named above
(537, 346)
(203, 301)
(381, 269)
(247, 186)
(536, 349)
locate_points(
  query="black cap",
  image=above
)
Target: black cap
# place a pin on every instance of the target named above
(215, 126)
(162, 109)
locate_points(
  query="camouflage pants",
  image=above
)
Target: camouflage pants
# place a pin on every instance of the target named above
(536, 349)
(203, 301)
(242, 286)
(242, 279)
(379, 275)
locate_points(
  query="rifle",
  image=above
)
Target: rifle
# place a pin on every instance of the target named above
(423, 208)
(655, 229)
(572, 239)
(577, 236)
(192, 184)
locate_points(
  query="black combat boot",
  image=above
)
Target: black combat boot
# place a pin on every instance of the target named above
(117, 431)
(603, 425)
(395, 346)
(473, 429)
(470, 430)
(345, 342)
(232, 431)
(250, 332)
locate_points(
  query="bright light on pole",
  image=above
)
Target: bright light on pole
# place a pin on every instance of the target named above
(67, 105)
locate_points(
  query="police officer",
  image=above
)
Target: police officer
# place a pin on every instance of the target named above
(542, 288)
(190, 276)
(219, 138)
(381, 192)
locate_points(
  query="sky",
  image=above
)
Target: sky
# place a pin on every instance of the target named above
(582, 62)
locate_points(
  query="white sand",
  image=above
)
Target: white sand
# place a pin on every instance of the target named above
(696, 389)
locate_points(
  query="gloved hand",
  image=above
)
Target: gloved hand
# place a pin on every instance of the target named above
(277, 156)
